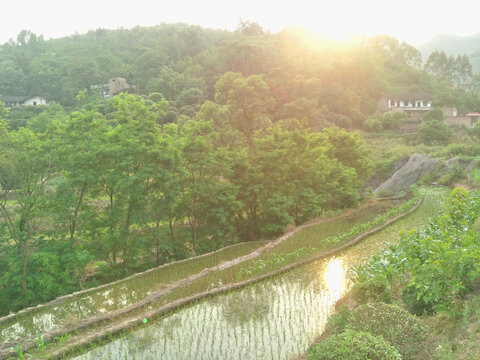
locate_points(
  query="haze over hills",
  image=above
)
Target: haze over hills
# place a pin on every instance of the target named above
(454, 45)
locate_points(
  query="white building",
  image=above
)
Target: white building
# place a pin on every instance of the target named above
(414, 105)
(13, 101)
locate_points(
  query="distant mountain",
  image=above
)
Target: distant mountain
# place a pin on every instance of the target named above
(454, 45)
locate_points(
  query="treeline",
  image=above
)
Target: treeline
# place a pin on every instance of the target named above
(109, 183)
(327, 83)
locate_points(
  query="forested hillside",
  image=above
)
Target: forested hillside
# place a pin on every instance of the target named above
(324, 81)
(229, 138)
(454, 45)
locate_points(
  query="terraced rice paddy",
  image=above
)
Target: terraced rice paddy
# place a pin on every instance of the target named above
(125, 293)
(274, 319)
(114, 296)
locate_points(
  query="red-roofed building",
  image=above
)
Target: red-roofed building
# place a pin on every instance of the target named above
(474, 116)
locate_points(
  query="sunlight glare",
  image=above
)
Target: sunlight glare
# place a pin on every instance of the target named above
(335, 278)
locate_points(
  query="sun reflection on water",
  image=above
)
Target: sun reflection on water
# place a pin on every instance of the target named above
(335, 278)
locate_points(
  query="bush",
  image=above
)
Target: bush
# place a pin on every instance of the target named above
(452, 176)
(439, 264)
(397, 326)
(415, 306)
(434, 114)
(373, 124)
(468, 149)
(435, 132)
(339, 321)
(353, 345)
(156, 97)
(389, 121)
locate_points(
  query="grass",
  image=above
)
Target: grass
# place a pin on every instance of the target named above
(457, 338)
(385, 148)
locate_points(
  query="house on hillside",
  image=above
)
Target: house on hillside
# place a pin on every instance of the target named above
(14, 101)
(474, 117)
(115, 86)
(414, 105)
(452, 118)
(449, 111)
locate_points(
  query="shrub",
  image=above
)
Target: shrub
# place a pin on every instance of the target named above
(434, 114)
(339, 321)
(397, 326)
(452, 176)
(372, 288)
(416, 306)
(354, 345)
(426, 179)
(156, 97)
(434, 132)
(439, 262)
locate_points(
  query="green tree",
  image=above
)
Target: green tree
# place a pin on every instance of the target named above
(25, 161)
(128, 160)
(164, 195)
(208, 199)
(247, 100)
(77, 145)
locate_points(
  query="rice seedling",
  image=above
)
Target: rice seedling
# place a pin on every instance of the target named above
(112, 297)
(275, 319)
(306, 277)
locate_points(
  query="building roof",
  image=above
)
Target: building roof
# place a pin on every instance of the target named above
(409, 96)
(473, 114)
(14, 98)
(17, 98)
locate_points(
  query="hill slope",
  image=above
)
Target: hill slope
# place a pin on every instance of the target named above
(454, 45)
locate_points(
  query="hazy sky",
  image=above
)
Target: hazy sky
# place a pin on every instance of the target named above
(415, 21)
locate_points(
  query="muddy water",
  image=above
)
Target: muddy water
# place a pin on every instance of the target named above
(275, 319)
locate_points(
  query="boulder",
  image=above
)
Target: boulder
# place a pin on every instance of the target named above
(417, 166)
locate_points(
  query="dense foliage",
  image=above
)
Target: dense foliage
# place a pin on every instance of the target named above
(111, 184)
(354, 345)
(398, 327)
(434, 267)
(324, 82)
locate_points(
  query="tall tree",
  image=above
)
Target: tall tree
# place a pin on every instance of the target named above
(26, 168)
(247, 100)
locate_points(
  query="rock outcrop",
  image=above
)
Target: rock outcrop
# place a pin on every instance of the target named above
(416, 167)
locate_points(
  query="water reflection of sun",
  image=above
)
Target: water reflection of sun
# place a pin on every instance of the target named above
(335, 278)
